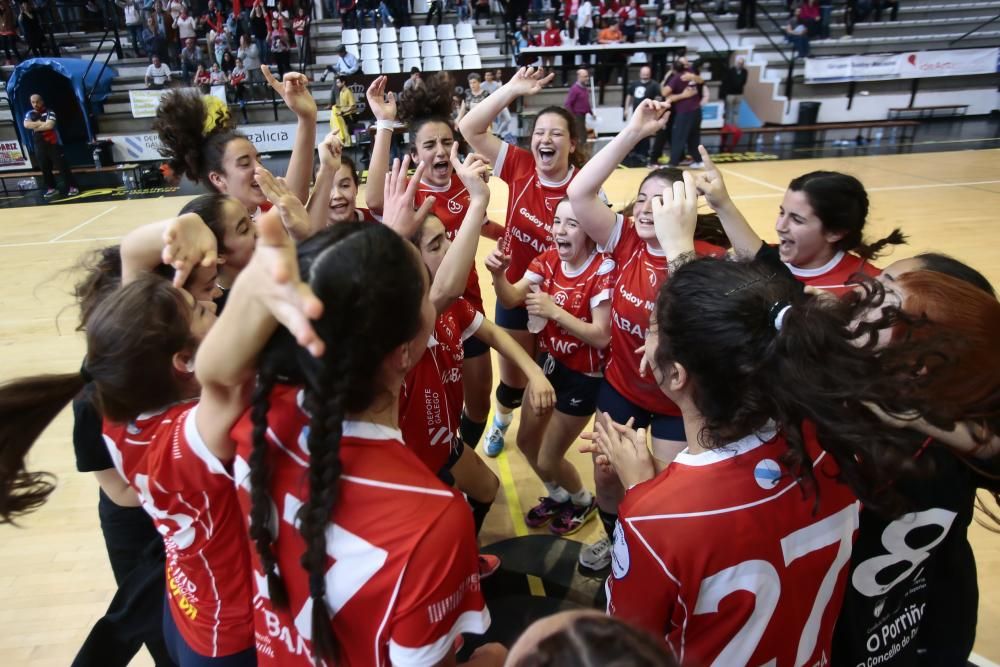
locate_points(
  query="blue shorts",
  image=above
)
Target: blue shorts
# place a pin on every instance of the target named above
(576, 393)
(184, 656)
(474, 347)
(663, 427)
(514, 318)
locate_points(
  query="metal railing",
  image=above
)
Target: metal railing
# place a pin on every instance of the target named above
(976, 29)
(692, 6)
(789, 58)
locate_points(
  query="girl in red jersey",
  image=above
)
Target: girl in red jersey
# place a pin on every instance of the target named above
(737, 552)
(642, 267)
(334, 198)
(537, 180)
(199, 141)
(170, 445)
(431, 399)
(364, 557)
(569, 288)
(820, 225)
(426, 110)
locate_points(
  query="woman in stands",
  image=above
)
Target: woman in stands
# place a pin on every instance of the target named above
(642, 268)
(737, 553)
(168, 433)
(820, 227)
(537, 179)
(568, 288)
(364, 556)
(199, 142)
(426, 110)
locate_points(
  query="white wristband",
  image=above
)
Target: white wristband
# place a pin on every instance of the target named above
(385, 125)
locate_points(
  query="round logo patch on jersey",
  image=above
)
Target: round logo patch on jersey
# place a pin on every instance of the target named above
(606, 267)
(454, 206)
(767, 473)
(619, 554)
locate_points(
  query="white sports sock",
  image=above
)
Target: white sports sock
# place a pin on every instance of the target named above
(581, 498)
(556, 492)
(503, 420)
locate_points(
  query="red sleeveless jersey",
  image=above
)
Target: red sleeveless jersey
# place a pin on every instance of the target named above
(727, 558)
(402, 579)
(430, 403)
(833, 275)
(531, 206)
(641, 272)
(189, 493)
(576, 292)
(450, 205)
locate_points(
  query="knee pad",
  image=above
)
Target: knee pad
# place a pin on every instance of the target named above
(509, 397)
(472, 432)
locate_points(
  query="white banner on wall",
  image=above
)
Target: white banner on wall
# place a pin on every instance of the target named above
(910, 65)
(145, 102)
(267, 138)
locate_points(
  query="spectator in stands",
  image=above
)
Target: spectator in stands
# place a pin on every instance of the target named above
(187, 27)
(490, 83)
(228, 61)
(202, 79)
(300, 26)
(133, 23)
(415, 80)
(748, 14)
(153, 40)
(169, 30)
(345, 64)
(893, 6)
(825, 11)
(216, 76)
(157, 74)
(462, 9)
(434, 7)
(631, 16)
(400, 10)
(659, 34)
(213, 19)
(282, 53)
(482, 8)
(190, 59)
(344, 110)
(637, 91)
(550, 37)
(220, 45)
(237, 85)
(578, 101)
(517, 11)
(31, 29)
(797, 35)
(349, 13)
(731, 90)
(249, 55)
(8, 31)
(523, 38)
(174, 7)
(48, 151)
(476, 92)
(609, 62)
(611, 34)
(809, 15)
(258, 28)
(585, 23)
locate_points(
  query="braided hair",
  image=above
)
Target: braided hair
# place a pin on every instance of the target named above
(372, 287)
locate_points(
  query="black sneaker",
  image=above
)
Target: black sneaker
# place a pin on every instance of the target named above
(545, 511)
(573, 518)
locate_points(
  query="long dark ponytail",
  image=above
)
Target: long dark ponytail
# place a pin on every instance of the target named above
(758, 349)
(372, 286)
(132, 336)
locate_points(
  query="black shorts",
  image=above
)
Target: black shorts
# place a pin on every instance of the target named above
(474, 347)
(514, 318)
(576, 393)
(663, 427)
(444, 474)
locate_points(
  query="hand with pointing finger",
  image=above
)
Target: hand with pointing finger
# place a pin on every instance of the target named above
(676, 216)
(294, 90)
(710, 183)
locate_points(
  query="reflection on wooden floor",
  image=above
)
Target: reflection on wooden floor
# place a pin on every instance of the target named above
(54, 577)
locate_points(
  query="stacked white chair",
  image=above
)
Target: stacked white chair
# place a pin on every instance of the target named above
(432, 64)
(446, 31)
(408, 33)
(471, 62)
(349, 36)
(449, 47)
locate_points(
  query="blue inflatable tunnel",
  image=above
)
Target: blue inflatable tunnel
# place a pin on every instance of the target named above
(63, 84)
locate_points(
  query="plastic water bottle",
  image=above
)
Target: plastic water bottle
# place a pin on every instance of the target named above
(26, 184)
(97, 158)
(535, 323)
(878, 136)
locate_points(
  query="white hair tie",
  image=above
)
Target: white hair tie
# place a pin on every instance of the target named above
(778, 312)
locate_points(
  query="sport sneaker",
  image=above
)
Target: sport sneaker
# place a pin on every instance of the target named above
(596, 557)
(72, 192)
(545, 511)
(51, 192)
(573, 517)
(488, 565)
(494, 439)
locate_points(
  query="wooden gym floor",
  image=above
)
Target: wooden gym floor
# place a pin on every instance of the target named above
(54, 575)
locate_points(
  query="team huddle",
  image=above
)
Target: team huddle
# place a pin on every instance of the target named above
(787, 441)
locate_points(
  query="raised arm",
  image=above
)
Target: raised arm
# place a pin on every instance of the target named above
(183, 242)
(711, 184)
(383, 107)
(675, 216)
(475, 127)
(294, 90)
(509, 295)
(330, 151)
(596, 219)
(453, 274)
(540, 391)
(267, 292)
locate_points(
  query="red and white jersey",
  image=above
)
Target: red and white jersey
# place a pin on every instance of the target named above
(727, 558)
(641, 272)
(531, 206)
(189, 494)
(450, 205)
(833, 275)
(430, 403)
(578, 293)
(365, 215)
(403, 577)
